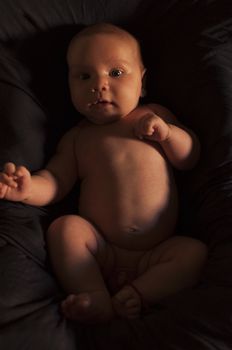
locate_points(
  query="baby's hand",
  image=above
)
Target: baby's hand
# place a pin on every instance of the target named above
(14, 183)
(151, 127)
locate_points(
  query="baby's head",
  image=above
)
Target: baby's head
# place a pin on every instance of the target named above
(105, 72)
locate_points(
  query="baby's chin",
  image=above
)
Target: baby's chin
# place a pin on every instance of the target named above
(104, 119)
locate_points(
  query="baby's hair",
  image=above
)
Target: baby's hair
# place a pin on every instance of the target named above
(106, 28)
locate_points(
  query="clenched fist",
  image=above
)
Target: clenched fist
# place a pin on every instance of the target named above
(15, 182)
(150, 126)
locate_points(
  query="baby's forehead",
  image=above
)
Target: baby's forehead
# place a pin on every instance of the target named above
(118, 36)
(123, 41)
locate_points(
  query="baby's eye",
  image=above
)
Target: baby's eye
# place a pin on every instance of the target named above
(84, 76)
(115, 73)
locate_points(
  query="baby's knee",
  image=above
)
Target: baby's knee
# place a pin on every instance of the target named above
(192, 259)
(68, 227)
(73, 230)
(59, 225)
(186, 252)
(195, 248)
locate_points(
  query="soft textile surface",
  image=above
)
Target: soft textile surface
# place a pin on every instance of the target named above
(188, 53)
(22, 118)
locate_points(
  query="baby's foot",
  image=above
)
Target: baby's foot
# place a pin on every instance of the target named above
(91, 307)
(127, 303)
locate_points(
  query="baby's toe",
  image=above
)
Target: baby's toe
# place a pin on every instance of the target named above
(127, 303)
(74, 305)
(135, 302)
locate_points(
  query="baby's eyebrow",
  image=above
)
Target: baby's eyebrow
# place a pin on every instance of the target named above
(79, 66)
(119, 62)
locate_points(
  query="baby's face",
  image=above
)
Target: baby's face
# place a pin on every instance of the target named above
(105, 76)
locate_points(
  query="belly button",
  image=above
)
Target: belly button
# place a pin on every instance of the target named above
(133, 230)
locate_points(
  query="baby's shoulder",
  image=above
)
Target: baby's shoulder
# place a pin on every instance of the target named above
(68, 138)
(76, 133)
(159, 110)
(75, 130)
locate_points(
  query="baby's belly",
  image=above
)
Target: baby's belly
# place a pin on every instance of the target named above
(132, 218)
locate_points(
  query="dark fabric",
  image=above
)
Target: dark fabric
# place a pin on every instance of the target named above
(187, 47)
(25, 18)
(23, 121)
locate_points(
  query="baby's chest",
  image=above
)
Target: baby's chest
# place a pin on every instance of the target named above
(117, 155)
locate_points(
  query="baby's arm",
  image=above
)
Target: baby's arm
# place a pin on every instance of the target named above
(47, 185)
(180, 144)
(17, 184)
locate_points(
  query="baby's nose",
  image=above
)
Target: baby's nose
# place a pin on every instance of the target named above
(100, 84)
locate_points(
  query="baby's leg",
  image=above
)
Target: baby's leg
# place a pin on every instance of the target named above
(173, 265)
(75, 249)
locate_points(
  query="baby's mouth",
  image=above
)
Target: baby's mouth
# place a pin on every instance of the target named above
(100, 102)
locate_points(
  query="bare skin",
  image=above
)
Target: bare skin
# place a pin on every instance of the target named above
(121, 224)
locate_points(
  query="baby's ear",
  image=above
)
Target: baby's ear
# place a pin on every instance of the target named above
(143, 90)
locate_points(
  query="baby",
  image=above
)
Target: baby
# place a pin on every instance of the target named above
(119, 255)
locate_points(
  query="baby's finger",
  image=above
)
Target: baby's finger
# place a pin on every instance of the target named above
(3, 189)
(9, 168)
(8, 180)
(142, 128)
(150, 125)
(21, 171)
